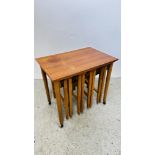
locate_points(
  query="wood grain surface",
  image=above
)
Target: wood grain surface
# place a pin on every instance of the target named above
(68, 64)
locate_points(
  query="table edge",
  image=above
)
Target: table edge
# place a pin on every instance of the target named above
(81, 72)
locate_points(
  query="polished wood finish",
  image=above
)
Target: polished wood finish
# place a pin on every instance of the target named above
(74, 68)
(65, 65)
(53, 89)
(99, 84)
(89, 89)
(66, 98)
(102, 82)
(58, 99)
(92, 88)
(79, 95)
(99, 87)
(107, 82)
(70, 97)
(86, 81)
(46, 86)
(82, 91)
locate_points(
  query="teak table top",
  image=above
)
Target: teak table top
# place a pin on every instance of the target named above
(68, 64)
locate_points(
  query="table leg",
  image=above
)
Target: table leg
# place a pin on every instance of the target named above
(66, 98)
(46, 86)
(53, 89)
(82, 91)
(107, 83)
(58, 99)
(99, 84)
(89, 89)
(79, 94)
(92, 87)
(103, 72)
(70, 97)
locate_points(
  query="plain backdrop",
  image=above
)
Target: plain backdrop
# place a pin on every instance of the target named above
(67, 25)
(137, 76)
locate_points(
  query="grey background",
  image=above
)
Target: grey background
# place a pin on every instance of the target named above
(67, 25)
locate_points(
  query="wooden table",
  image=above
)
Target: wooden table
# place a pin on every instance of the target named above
(65, 66)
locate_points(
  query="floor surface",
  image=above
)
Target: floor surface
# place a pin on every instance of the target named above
(95, 132)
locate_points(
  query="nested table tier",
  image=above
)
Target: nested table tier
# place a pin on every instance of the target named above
(76, 69)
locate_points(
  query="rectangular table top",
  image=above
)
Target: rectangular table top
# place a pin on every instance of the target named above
(68, 64)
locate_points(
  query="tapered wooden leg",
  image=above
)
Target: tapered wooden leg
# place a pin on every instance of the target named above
(89, 88)
(82, 91)
(79, 94)
(70, 97)
(53, 89)
(107, 83)
(58, 99)
(66, 98)
(92, 87)
(46, 86)
(101, 84)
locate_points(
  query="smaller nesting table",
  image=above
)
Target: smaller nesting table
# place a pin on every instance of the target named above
(76, 69)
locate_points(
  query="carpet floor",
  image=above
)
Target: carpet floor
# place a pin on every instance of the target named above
(95, 132)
